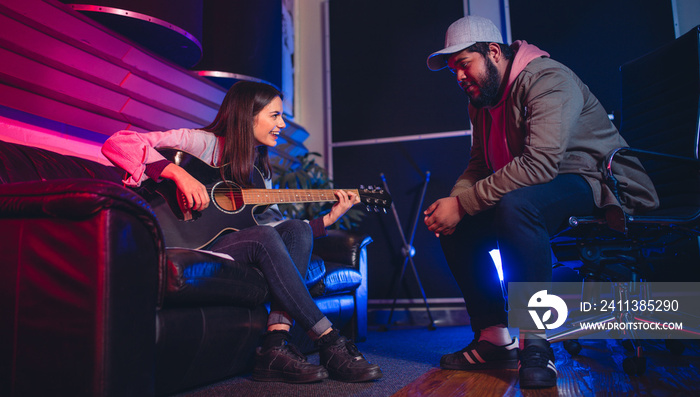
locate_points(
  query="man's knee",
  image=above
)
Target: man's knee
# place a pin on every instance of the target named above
(514, 206)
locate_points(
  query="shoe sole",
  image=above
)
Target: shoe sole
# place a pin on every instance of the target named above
(507, 364)
(277, 376)
(370, 375)
(538, 384)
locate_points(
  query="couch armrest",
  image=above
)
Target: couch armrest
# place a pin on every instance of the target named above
(349, 248)
(76, 199)
(342, 246)
(81, 283)
(69, 198)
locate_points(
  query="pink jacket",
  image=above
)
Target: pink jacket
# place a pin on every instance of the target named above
(131, 150)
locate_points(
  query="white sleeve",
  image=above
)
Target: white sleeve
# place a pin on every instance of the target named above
(131, 150)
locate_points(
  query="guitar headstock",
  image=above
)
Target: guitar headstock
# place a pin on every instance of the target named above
(375, 198)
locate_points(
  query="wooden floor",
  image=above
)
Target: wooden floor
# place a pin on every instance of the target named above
(596, 371)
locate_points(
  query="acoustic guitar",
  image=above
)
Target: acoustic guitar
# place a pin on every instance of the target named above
(231, 208)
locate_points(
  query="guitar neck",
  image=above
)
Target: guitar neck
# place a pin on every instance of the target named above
(283, 196)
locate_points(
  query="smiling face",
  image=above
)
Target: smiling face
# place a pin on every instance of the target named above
(268, 123)
(478, 77)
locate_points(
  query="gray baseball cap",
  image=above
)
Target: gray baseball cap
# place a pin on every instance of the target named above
(464, 33)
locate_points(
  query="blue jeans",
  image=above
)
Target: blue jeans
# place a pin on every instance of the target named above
(520, 227)
(282, 253)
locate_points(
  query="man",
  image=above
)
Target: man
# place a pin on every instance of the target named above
(538, 139)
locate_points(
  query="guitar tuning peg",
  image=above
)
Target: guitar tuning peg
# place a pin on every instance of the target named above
(384, 209)
(362, 187)
(376, 209)
(368, 208)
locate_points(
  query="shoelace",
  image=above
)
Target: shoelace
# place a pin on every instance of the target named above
(534, 356)
(352, 349)
(296, 352)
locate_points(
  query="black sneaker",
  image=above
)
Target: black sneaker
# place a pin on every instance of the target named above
(482, 355)
(345, 362)
(536, 366)
(285, 363)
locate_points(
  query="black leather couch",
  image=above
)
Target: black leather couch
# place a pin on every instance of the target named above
(92, 303)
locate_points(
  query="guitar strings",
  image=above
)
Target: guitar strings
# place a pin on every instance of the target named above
(282, 195)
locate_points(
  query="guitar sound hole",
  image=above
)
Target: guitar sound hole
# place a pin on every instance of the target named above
(227, 197)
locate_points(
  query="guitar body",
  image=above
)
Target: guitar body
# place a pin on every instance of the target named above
(196, 229)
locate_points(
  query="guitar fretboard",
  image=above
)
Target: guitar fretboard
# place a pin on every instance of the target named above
(274, 196)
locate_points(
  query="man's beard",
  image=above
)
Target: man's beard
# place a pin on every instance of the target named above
(488, 88)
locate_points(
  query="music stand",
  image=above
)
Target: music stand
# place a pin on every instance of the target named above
(407, 250)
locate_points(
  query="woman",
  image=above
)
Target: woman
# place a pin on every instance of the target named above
(248, 122)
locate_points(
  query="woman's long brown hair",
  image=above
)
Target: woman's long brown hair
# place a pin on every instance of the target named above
(234, 122)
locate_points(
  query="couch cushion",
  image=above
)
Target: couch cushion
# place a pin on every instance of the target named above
(315, 271)
(338, 279)
(199, 278)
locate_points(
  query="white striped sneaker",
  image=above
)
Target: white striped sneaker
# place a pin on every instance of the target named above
(536, 367)
(482, 355)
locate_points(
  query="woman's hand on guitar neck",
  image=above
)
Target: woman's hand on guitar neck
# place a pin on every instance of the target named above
(192, 189)
(346, 199)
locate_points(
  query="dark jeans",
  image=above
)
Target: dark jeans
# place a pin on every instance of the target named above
(520, 226)
(282, 253)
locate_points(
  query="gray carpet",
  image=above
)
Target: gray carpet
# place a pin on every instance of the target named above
(404, 354)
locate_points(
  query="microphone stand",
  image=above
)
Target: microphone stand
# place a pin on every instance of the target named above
(408, 251)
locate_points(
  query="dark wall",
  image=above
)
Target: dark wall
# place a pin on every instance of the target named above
(404, 165)
(243, 37)
(594, 37)
(380, 84)
(381, 88)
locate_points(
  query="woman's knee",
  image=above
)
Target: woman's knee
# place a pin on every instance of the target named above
(296, 228)
(297, 225)
(266, 235)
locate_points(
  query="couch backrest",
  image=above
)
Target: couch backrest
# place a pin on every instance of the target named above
(19, 163)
